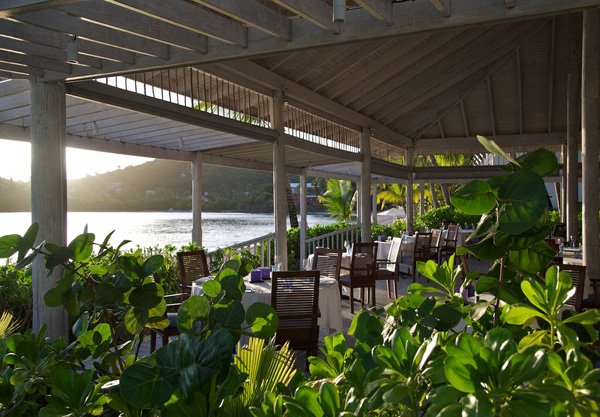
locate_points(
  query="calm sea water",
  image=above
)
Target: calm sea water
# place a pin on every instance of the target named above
(161, 228)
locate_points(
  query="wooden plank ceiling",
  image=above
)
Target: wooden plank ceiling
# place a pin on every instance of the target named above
(428, 74)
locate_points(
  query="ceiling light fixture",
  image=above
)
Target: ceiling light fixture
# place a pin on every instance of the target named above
(72, 53)
(339, 11)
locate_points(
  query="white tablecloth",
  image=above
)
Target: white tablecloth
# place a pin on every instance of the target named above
(330, 302)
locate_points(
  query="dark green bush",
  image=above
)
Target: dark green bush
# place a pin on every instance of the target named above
(16, 294)
(435, 218)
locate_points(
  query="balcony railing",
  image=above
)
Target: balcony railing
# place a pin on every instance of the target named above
(334, 240)
(260, 246)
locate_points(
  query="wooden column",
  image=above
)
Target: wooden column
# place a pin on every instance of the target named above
(573, 125)
(590, 137)
(197, 199)
(365, 186)
(303, 225)
(279, 180)
(48, 194)
(374, 203)
(409, 191)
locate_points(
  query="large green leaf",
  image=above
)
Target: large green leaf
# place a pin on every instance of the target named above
(523, 240)
(475, 198)
(487, 224)
(229, 316)
(534, 258)
(509, 292)
(153, 264)
(591, 316)
(27, 241)
(147, 296)
(195, 307)
(82, 246)
(523, 199)
(263, 319)
(9, 245)
(519, 315)
(148, 382)
(459, 374)
(484, 250)
(493, 147)
(541, 161)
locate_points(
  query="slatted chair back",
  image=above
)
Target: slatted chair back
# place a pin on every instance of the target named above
(422, 249)
(192, 265)
(452, 236)
(436, 239)
(328, 262)
(362, 265)
(295, 298)
(393, 254)
(577, 273)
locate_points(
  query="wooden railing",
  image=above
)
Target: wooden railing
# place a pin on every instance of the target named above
(334, 240)
(260, 246)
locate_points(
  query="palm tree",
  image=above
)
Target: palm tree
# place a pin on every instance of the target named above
(394, 194)
(339, 199)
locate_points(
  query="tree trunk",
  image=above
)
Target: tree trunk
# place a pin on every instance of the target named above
(434, 198)
(445, 188)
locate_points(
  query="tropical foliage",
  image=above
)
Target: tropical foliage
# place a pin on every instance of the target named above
(339, 199)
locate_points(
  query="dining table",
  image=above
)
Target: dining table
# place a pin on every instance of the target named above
(329, 298)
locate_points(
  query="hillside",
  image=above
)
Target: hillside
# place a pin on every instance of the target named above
(155, 185)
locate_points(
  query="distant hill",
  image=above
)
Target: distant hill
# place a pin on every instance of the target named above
(155, 185)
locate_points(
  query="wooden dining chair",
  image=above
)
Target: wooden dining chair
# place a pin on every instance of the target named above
(436, 242)
(388, 269)
(450, 242)
(295, 298)
(192, 266)
(577, 273)
(328, 262)
(361, 273)
(421, 251)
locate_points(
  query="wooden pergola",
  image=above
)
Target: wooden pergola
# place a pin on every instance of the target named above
(278, 85)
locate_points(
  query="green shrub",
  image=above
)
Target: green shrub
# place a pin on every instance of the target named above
(16, 294)
(434, 219)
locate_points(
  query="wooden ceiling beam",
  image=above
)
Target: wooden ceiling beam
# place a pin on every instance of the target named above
(443, 7)
(20, 69)
(128, 21)
(189, 16)
(315, 11)
(381, 9)
(458, 144)
(13, 7)
(8, 88)
(254, 14)
(35, 61)
(47, 52)
(46, 37)
(60, 22)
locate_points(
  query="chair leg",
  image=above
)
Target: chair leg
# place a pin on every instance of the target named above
(389, 288)
(414, 271)
(374, 304)
(152, 341)
(395, 288)
(165, 340)
(351, 298)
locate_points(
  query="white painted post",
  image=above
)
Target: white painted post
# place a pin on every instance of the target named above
(279, 180)
(590, 138)
(409, 191)
(365, 186)
(573, 125)
(197, 199)
(303, 225)
(374, 203)
(48, 195)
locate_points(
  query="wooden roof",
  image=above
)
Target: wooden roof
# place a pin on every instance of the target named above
(418, 74)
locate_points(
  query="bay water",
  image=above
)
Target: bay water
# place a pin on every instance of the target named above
(146, 229)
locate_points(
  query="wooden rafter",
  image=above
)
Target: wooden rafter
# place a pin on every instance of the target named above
(14, 7)
(381, 9)
(252, 13)
(315, 11)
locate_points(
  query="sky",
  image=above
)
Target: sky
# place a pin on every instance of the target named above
(15, 161)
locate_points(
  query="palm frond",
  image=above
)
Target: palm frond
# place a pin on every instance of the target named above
(7, 325)
(266, 368)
